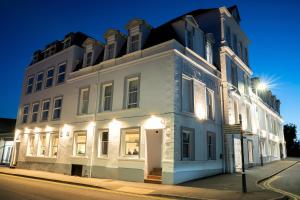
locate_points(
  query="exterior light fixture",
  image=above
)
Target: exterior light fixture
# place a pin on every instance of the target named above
(65, 130)
(155, 123)
(48, 129)
(262, 86)
(26, 130)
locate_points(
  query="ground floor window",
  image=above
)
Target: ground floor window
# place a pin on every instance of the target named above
(130, 142)
(211, 146)
(42, 145)
(250, 151)
(187, 144)
(30, 145)
(54, 145)
(80, 143)
(103, 143)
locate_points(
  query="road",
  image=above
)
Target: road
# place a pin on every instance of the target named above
(286, 182)
(19, 188)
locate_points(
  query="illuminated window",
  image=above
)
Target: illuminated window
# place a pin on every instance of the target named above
(103, 143)
(54, 145)
(80, 143)
(210, 104)
(84, 101)
(29, 86)
(35, 111)
(134, 43)
(107, 96)
(30, 145)
(211, 146)
(45, 110)
(131, 142)
(57, 108)
(187, 144)
(187, 95)
(25, 113)
(42, 145)
(61, 73)
(49, 78)
(132, 92)
(39, 81)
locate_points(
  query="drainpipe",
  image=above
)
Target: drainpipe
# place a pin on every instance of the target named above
(94, 127)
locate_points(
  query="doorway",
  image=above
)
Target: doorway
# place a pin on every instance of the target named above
(154, 154)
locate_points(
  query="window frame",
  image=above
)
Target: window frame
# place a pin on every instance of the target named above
(102, 96)
(75, 143)
(29, 85)
(81, 100)
(39, 82)
(135, 42)
(110, 55)
(123, 143)
(52, 136)
(212, 145)
(30, 150)
(39, 145)
(212, 95)
(191, 143)
(54, 108)
(58, 74)
(47, 78)
(35, 113)
(42, 109)
(191, 99)
(126, 90)
(101, 142)
(27, 115)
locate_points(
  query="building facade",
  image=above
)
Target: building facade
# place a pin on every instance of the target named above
(151, 105)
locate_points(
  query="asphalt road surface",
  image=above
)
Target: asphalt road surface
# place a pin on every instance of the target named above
(286, 182)
(19, 188)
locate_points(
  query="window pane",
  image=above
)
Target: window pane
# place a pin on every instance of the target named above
(80, 149)
(187, 95)
(50, 73)
(105, 136)
(131, 142)
(57, 103)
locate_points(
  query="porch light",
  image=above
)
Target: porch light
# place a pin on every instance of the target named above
(91, 126)
(48, 129)
(26, 130)
(155, 123)
(36, 130)
(66, 130)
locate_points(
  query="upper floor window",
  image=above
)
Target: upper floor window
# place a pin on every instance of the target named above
(107, 96)
(49, 78)
(234, 78)
(132, 92)
(25, 114)
(130, 142)
(134, 43)
(246, 56)
(89, 58)
(45, 109)
(246, 84)
(42, 145)
(190, 39)
(110, 51)
(241, 51)
(103, 144)
(80, 143)
(39, 81)
(228, 36)
(187, 144)
(54, 145)
(57, 108)
(187, 95)
(235, 49)
(209, 53)
(211, 146)
(30, 145)
(29, 85)
(210, 104)
(35, 111)
(61, 73)
(84, 101)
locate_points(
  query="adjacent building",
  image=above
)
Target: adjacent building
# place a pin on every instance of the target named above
(7, 129)
(154, 104)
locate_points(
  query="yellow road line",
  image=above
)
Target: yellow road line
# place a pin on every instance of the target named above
(88, 188)
(267, 184)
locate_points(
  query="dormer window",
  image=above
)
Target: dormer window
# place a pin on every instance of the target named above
(67, 43)
(134, 43)
(52, 50)
(89, 58)
(47, 53)
(110, 51)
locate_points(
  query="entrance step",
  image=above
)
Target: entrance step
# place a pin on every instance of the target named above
(156, 172)
(154, 177)
(155, 181)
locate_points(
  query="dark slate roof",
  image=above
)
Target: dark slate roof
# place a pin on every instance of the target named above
(7, 125)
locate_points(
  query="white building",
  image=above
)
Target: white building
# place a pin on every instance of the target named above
(145, 106)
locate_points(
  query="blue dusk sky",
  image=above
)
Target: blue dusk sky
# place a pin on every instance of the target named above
(272, 26)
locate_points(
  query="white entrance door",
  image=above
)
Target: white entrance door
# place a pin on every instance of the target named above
(154, 149)
(237, 155)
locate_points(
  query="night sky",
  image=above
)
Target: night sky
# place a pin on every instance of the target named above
(271, 25)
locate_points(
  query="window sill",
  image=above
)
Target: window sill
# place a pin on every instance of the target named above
(84, 157)
(84, 115)
(102, 157)
(131, 159)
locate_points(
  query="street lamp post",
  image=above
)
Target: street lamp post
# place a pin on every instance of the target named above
(244, 184)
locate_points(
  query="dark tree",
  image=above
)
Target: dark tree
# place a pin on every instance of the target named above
(292, 144)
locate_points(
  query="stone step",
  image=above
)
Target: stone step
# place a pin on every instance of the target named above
(155, 173)
(155, 181)
(154, 177)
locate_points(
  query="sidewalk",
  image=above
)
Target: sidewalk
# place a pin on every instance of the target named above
(226, 186)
